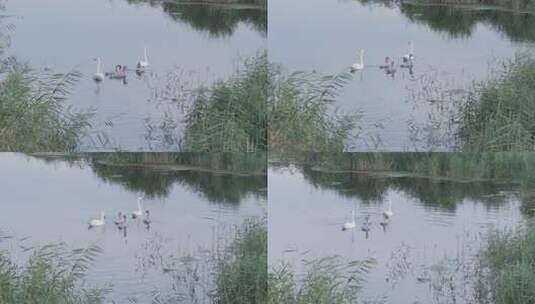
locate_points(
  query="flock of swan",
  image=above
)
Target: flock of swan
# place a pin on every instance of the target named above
(366, 225)
(389, 65)
(122, 219)
(121, 72)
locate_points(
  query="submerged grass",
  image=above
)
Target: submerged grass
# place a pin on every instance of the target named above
(33, 116)
(52, 275)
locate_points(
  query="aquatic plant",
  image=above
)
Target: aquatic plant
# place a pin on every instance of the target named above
(499, 114)
(241, 273)
(231, 115)
(301, 113)
(233, 271)
(329, 280)
(52, 275)
(509, 258)
(33, 116)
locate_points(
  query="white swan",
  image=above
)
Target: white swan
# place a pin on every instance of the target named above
(139, 211)
(143, 63)
(352, 224)
(358, 65)
(99, 76)
(410, 56)
(388, 213)
(98, 222)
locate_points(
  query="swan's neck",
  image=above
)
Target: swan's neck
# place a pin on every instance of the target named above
(411, 47)
(389, 205)
(98, 65)
(361, 58)
(145, 58)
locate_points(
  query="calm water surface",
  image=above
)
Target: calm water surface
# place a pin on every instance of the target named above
(52, 201)
(453, 48)
(431, 220)
(197, 44)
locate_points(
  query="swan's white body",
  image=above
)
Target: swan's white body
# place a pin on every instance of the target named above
(139, 211)
(388, 213)
(358, 65)
(99, 76)
(352, 224)
(97, 222)
(409, 58)
(143, 63)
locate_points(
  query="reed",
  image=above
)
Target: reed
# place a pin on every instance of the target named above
(499, 114)
(231, 115)
(52, 275)
(329, 280)
(302, 117)
(33, 116)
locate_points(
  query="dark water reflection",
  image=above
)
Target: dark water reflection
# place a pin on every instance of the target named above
(442, 194)
(51, 199)
(217, 188)
(432, 220)
(462, 22)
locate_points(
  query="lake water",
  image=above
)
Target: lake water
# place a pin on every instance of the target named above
(188, 46)
(50, 200)
(432, 220)
(453, 47)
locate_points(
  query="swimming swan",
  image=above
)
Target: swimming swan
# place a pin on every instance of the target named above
(139, 211)
(386, 65)
(410, 56)
(388, 213)
(350, 225)
(122, 225)
(98, 222)
(143, 63)
(119, 219)
(147, 220)
(358, 65)
(99, 76)
(366, 226)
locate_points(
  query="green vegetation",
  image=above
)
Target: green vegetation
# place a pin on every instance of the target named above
(52, 275)
(234, 271)
(301, 117)
(32, 112)
(231, 115)
(508, 259)
(499, 114)
(241, 270)
(325, 281)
